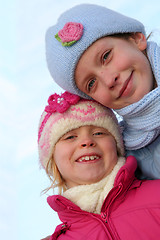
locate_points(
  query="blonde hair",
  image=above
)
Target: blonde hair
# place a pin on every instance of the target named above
(55, 177)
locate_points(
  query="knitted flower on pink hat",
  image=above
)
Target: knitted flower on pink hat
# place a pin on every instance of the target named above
(70, 33)
(60, 103)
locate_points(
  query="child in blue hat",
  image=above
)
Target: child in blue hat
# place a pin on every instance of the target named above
(98, 53)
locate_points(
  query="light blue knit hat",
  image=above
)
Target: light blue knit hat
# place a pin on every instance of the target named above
(91, 22)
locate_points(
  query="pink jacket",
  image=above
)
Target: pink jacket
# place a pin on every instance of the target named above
(131, 211)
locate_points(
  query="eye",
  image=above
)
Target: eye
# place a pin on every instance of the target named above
(99, 133)
(106, 56)
(69, 137)
(91, 84)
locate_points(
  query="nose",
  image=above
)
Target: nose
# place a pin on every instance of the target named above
(89, 145)
(87, 142)
(109, 79)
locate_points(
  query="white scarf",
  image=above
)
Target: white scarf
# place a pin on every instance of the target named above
(142, 119)
(90, 197)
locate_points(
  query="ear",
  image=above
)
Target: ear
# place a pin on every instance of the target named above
(140, 40)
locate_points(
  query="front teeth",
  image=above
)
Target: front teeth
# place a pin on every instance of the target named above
(87, 158)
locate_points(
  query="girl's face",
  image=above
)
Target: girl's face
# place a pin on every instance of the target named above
(85, 155)
(115, 71)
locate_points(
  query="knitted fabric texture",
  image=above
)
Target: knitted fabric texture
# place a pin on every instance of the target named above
(97, 22)
(91, 197)
(70, 33)
(142, 119)
(57, 120)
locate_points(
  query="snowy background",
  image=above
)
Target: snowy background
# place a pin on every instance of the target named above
(25, 85)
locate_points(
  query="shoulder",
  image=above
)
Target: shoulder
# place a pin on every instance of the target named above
(148, 158)
(148, 193)
(151, 185)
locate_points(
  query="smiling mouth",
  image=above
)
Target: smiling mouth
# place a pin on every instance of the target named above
(92, 158)
(125, 86)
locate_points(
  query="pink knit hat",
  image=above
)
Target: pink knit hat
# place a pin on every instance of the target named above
(66, 112)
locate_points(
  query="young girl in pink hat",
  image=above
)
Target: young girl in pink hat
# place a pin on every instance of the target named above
(81, 149)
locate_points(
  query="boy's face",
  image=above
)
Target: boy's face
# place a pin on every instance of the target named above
(85, 155)
(115, 71)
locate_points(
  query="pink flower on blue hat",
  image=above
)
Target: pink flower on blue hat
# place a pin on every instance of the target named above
(60, 103)
(70, 33)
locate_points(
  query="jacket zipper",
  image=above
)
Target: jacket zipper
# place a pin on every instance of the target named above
(98, 218)
(107, 213)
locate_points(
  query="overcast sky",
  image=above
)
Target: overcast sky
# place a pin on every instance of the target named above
(25, 85)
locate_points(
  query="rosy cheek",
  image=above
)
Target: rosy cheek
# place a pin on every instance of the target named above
(104, 99)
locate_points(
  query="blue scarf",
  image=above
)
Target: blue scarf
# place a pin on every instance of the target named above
(142, 119)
